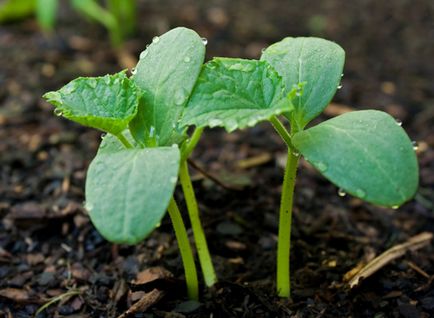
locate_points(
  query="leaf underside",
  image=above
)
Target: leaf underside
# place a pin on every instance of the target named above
(314, 61)
(234, 94)
(366, 154)
(107, 103)
(166, 73)
(128, 190)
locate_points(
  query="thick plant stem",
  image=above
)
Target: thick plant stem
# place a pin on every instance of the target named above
(285, 219)
(208, 272)
(185, 249)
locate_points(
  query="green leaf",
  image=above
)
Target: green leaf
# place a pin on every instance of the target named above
(236, 93)
(46, 13)
(166, 73)
(14, 10)
(366, 154)
(316, 62)
(107, 103)
(128, 190)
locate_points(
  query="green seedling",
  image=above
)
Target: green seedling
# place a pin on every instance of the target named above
(365, 153)
(130, 182)
(118, 16)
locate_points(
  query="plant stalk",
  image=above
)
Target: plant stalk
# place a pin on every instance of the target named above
(124, 141)
(285, 219)
(208, 272)
(185, 249)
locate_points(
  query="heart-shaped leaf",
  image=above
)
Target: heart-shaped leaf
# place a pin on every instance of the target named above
(128, 190)
(166, 74)
(107, 103)
(366, 154)
(316, 62)
(236, 93)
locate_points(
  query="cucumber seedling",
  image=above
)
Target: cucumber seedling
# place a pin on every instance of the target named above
(130, 182)
(365, 153)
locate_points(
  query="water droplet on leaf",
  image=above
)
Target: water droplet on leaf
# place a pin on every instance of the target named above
(395, 207)
(263, 50)
(180, 97)
(173, 179)
(143, 54)
(415, 145)
(186, 59)
(398, 122)
(340, 86)
(103, 135)
(204, 41)
(58, 112)
(341, 192)
(133, 71)
(215, 122)
(155, 39)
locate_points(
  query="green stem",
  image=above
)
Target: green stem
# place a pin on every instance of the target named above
(285, 218)
(189, 146)
(185, 249)
(281, 130)
(124, 141)
(199, 235)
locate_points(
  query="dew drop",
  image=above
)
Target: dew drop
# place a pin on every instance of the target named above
(158, 224)
(398, 122)
(263, 50)
(340, 86)
(180, 97)
(151, 131)
(415, 145)
(103, 135)
(295, 153)
(173, 179)
(155, 39)
(187, 59)
(342, 75)
(321, 166)
(298, 93)
(360, 193)
(133, 71)
(143, 54)
(204, 41)
(58, 112)
(395, 207)
(341, 192)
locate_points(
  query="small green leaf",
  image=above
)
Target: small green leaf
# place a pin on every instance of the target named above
(107, 103)
(365, 153)
(236, 93)
(128, 190)
(318, 63)
(166, 73)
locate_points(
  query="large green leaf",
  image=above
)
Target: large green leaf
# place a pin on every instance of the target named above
(166, 72)
(366, 154)
(107, 103)
(316, 62)
(128, 190)
(236, 93)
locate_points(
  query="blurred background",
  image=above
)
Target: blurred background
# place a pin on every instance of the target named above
(44, 44)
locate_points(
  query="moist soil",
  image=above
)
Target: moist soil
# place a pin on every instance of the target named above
(49, 248)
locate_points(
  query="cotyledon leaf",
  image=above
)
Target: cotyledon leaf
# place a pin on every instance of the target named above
(316, 62)
(366, 154)
(236, 93)
(166, 74)
(107, 103)
(128, 190)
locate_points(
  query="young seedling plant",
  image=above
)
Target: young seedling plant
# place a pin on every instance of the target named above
(365, 153)
(130, 182)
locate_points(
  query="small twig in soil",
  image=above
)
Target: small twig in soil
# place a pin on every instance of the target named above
(212, 177)
(414, 243)
(144, 303)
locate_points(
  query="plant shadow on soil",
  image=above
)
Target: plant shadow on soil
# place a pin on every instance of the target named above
(48, 245)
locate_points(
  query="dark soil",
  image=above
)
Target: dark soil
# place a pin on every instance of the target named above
(48, 246)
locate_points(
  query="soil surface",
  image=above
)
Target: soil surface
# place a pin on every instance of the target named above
(49, 248)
